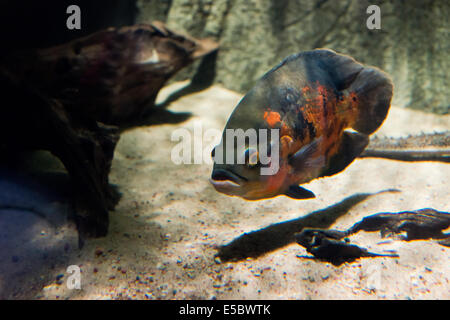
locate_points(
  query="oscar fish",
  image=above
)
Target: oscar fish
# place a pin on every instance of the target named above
(324, 105)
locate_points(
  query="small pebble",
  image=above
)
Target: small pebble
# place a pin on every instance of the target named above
(161, 267)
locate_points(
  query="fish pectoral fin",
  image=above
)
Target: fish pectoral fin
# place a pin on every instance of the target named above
(303, 157)
(352, 144)
(297, 192)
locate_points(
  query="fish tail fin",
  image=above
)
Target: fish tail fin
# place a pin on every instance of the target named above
(368, 87)
(373, 91)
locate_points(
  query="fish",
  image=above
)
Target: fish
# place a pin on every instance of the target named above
(319, 108)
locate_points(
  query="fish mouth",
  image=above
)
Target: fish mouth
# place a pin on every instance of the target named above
(224, 180)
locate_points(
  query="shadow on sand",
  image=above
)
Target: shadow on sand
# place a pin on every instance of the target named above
(275, 236)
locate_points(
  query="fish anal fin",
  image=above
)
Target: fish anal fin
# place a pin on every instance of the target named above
(297, 192)
(352, 144)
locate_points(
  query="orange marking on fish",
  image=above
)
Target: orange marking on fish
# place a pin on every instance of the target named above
(312, 114)
(274, 182)
(286, 130)
(348, 108)
(272, 118)
(322, 96)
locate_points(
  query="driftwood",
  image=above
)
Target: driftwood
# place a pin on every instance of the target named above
(327, 245)
(419, 224)
(335, 247)
(60, 98)
(84, 146)
(112, 75)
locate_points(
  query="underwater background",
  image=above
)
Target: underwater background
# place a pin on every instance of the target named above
(171, 235)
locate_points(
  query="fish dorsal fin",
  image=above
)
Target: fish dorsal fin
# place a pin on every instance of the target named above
(297, 192)
(342, 69)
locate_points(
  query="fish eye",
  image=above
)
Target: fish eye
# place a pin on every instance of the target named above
(251, 157)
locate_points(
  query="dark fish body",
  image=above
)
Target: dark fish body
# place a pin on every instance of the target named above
(313, 98)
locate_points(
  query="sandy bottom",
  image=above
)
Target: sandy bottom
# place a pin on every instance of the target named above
(170, 223)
